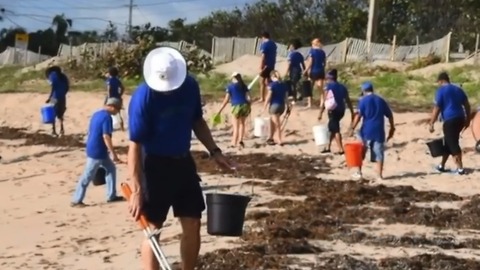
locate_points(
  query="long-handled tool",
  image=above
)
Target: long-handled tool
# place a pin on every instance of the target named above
(250, 128)
(162, 260)
(285, 118)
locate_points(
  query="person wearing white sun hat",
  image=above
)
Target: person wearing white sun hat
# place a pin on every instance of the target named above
(163, 111)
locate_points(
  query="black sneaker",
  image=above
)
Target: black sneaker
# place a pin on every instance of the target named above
(440, 169)
(116, 199)
(78, 205)
(460, 171)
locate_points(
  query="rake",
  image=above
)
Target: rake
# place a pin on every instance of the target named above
(151, 236)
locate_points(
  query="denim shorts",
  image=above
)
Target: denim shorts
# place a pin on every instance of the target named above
(377, 150)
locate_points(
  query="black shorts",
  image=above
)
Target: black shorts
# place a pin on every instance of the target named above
(451, 132)
(266, 72)
(60, 107)
(171, 182)
(315, 76)
(334, 118)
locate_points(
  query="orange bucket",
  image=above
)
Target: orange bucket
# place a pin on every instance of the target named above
(354, 154)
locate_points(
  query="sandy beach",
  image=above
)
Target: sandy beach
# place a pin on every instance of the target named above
(39, 229)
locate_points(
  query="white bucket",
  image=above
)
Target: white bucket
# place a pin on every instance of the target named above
(321, 134)
(116, 121)
(261, 127)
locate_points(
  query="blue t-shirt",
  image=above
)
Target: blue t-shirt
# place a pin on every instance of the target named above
(340, 93)
(318, 60)
(114, 87)
(238, 94)
(269, 49)
(373, 110)
(296, 62)
(100, 124)
(279, 92)
(450, 99)
(162, 122)
(59, 86)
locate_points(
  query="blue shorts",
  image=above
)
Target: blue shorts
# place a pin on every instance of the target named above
(377, 150)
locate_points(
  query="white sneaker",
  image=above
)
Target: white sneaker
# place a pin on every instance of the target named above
(357, 176)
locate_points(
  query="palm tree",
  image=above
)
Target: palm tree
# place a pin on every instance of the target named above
(62, 24)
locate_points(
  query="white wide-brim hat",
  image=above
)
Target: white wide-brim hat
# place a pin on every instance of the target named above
(164, 69)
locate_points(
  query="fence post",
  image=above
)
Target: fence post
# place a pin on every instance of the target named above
(346, 42)
(447, 53)
(232, 55)
(418, 48)
(477, 40)
(255, 46)
(394, 47)
(39, 54)
(214, 44)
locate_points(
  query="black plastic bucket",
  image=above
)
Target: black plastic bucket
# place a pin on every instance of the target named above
(99, 177)
(307, 88)
(436, 147)
(226, 214)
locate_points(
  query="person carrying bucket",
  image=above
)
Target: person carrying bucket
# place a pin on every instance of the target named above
(276, 103)
(115, 89)
(453, 105)
(162, 112)
(296, 66)
(372, 109)
(239, 96)
(58, 95)
(340, 97)
(98, 146)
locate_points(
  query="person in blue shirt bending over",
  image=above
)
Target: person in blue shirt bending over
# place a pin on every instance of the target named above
(453, 105)
(276, 103)
(317, 61)
(162, 112)
(115, 89)
(340, 97)
(239, 96)
(58, 95)
(296, 66)
(99, 144)
(373, 109)
(268, 49)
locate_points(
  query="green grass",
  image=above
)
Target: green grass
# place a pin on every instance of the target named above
(394, 86)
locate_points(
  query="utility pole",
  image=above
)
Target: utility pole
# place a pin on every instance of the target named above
(372, 23)
(130, 11)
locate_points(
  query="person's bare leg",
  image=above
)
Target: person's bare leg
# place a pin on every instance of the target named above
(54, 129)
(444, 160)
(62, 130)
(241, 130)
(190, 242)
(263, 86)
(235, 132)
(379, 166)
(277, 127)
(458, 161)
(338, 140)
(149, 261)
(272, 128)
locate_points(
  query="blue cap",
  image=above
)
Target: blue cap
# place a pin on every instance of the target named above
(367, 86)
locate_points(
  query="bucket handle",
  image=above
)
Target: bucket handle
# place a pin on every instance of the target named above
(236, 175)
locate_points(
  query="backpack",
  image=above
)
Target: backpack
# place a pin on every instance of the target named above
(330, 103)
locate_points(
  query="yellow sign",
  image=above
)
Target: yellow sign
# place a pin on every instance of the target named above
(21, 37)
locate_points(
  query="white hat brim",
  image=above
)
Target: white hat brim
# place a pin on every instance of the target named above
(154, 82)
